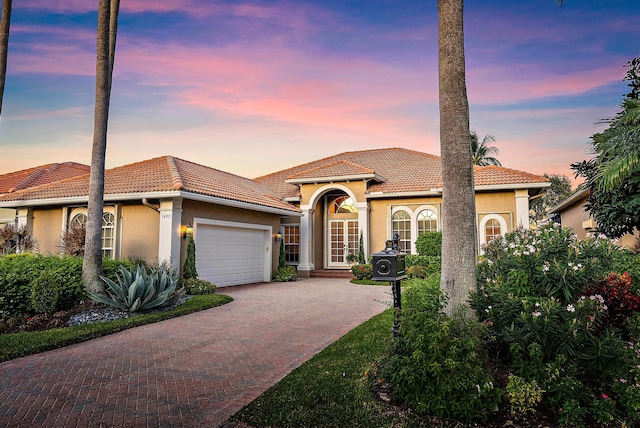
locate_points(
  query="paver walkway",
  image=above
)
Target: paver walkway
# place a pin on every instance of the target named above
(192, 371)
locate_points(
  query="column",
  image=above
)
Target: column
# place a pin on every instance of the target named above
(306, 241)
(363, 224)
(522, 208)
(169, 236)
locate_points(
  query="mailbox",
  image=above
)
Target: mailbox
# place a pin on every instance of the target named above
(388, 264)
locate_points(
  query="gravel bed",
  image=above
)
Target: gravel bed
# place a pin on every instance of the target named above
(112, 314)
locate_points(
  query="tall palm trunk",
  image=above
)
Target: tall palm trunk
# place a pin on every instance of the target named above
(4, 44)
(458, 200)
(105, 54)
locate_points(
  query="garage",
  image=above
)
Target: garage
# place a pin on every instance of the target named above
(230, 253)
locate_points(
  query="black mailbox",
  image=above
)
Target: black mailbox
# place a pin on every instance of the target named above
(388, 264)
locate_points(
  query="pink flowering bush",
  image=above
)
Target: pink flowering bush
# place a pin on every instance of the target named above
(545, 328)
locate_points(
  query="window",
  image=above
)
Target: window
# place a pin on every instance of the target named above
(401, 224)
(342, 204)
(79, 220)
(291, 240)
(427, 221)
(108, 235)
(108, 230)
(491, 229)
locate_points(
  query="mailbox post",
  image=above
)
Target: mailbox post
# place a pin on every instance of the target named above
(388, 265)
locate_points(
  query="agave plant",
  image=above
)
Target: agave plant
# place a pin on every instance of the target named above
(138, 290)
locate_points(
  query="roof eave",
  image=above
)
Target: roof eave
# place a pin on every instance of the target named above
(355, 177)
(379, 195)
(514, 186)
(580, 194)
(153, 195)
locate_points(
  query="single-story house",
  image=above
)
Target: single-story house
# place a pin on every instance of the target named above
(320, 209)
(378, 192)
(37, 176)
(572, 213)
(150, 206)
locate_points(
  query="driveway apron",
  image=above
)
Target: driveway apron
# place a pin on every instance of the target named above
(191, 371)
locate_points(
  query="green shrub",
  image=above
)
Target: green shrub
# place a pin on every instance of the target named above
(547, 329)
(429, 244)
(19, 271)
(137, 290)
(523, 396)
(189, 270)
(195, 286)
(422, 266)
(437, 365)
(44, 293)
(285, 274)
(362, 271)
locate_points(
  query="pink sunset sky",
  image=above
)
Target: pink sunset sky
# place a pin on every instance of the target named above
(252, 87)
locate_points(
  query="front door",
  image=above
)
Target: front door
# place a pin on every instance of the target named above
(343, 239)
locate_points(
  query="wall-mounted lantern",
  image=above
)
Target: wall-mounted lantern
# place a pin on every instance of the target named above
(278, 236)
(188, 231)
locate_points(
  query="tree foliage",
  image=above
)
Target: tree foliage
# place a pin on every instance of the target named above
(613, 174)
(189, 269)
(559, 190)
(483, 153)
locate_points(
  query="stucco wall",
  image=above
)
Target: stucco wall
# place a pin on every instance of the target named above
(47, 229)
(139, 226)
(7, 215)
(192, 209)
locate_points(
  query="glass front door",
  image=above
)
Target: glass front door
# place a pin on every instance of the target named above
(343, 239)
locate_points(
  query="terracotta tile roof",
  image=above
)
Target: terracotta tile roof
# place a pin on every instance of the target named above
(405, 171)
(497, 175)
(342, 168)
(163, 174)
(32, 177)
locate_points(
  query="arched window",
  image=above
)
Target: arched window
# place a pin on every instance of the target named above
(108, 235)
(427, 221)
(492, 229)
(401, 224)
(342, 204)
(79, 220)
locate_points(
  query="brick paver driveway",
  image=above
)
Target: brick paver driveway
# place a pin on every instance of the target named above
(192, 371)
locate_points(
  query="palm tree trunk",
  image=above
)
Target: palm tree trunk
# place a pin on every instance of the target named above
(4, 44)
(105, 51)
(458, 200)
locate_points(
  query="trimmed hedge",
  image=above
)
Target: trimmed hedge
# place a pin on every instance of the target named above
(19, 273)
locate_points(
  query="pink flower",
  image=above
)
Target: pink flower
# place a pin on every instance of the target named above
(605, 396)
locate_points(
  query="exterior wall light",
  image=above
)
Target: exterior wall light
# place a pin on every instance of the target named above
(277, 237)
(188, 231)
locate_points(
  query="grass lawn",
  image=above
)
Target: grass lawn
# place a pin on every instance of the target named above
(329, 390)
(31, 342)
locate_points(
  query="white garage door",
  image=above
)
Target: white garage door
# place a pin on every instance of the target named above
(228, 255)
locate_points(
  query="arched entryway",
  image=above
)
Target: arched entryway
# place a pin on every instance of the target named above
(330, 228)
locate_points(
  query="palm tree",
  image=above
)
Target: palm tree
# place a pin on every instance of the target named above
(5, 22)
(482, 153)
(459, 252)
(105, 55)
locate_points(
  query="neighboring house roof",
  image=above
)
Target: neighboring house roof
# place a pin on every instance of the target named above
(578, 197)
(400, 171)
(165, 176)
(37, 176)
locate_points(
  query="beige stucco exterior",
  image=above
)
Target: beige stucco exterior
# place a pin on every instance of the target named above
(141, 222)
(573, 214)
(47, 229)
(501, 205)
(199, 210)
